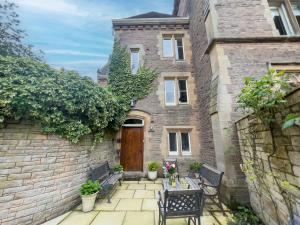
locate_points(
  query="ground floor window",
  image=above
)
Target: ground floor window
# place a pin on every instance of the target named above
(179, 142)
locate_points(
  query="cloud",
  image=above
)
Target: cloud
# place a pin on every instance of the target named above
(71, 52)
(80, 62)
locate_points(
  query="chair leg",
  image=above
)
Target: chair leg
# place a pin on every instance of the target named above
(221, 206)
(189, 221)
(164, 221)
(199, 220)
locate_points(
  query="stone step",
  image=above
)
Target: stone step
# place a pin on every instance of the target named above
(133, 175)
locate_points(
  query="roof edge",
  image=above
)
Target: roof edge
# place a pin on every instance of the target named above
(151, 21)
(176, 7)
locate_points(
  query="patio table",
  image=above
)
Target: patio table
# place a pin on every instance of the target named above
(181, 184)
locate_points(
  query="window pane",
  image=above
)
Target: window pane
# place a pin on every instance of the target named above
(170, 91)
(172, 142)
(281, 20)
(185, 142)
(296, 10)
(134, 60)
(133, 121)
(182, 84)
(279, 25)
(179, 49)
(167, 47)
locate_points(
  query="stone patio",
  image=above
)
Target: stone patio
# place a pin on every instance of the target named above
(133, 203)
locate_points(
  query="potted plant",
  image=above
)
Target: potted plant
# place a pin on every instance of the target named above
(194, 169)
(152, 170)
(118, 168)
(88, 192)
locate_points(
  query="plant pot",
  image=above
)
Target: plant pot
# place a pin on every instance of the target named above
(152, 175)
(88, 202)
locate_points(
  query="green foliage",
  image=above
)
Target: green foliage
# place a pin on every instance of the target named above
(195, 167)
(153, 166)
(122, 82)
(11, 35)
(244, 216)
(65, 103)
(291, 120)
(118, 168)
(90, 187)
(264, 96)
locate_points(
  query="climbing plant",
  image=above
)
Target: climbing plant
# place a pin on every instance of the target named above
(122, 82)
(264, 97)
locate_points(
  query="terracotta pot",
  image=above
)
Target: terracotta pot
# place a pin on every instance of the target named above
(88, 202)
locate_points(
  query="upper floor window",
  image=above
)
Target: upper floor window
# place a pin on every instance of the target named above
(173, 47)
(296, 10)
(135, 60)
(176, 91)
(281, 19)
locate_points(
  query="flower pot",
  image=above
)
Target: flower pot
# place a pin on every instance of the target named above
(152, 175)
(88, 202)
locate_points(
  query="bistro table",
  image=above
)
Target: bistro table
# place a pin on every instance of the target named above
(181, 184)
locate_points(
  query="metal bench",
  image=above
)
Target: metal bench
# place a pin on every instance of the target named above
(180, 204)
(210, 181)
(171, 161)
(105, 175)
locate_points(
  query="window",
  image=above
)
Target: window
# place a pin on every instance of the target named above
(179, 48)
(176, 94)
(170, 92)
(182, 89)
(184, 138)
(173, 47)
(185, 143)
(135, 60)
(173, 144)
(296, 11)
(133, 123)
(281, 19)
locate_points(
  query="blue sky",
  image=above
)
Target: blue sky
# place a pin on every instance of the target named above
(77, 34)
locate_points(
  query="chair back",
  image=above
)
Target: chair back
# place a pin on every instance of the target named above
(183, 203)
(213, 176)
(171, 161)
(100, 173)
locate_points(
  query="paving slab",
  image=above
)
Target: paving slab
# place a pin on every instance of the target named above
(104, 205)
(154, 187)
(144, 194)
(158, 181)
(130, 182)
(139, 218)
(150, 204)
(123, 194)
(122, 187)
(80, 218)
(136, 187)
(109, 218)
(129, 204)
(57, 220)
(179, 221)
(146, 182)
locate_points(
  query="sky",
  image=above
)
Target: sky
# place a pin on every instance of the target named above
(77, 34)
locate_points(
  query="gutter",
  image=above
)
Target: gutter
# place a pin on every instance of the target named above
(152, 21)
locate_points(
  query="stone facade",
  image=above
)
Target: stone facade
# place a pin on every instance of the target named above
(285, 163)
(227, 47)
(41, 174)
(148, 39)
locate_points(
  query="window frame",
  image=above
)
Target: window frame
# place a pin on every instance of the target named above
(189, 139)
(187, 92)
(283, 14)
(174, 46)
(134, 50)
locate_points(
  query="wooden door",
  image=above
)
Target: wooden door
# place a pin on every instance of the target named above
(132, 148)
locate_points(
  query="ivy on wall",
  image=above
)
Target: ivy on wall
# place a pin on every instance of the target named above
(65, 103)
(122, 82)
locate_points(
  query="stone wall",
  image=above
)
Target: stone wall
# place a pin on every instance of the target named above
(40, 175)
(256, 146)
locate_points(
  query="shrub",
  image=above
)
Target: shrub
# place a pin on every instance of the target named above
(153, 166)
(90, 187)
(195, 167)
(244, 216)
(118, 168)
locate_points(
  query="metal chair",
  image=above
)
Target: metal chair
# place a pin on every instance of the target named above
(181, 204)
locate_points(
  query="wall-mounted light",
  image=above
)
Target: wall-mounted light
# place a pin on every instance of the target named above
(151, 127)
(132, 103)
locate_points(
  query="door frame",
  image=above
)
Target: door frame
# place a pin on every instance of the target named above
(142, 125)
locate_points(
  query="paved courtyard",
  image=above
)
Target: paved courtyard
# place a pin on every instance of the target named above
(133, 203)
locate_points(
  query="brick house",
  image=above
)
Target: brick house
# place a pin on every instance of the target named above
(203, 52)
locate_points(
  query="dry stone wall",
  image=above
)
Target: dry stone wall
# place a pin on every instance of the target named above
(40, 175)
(285, 164)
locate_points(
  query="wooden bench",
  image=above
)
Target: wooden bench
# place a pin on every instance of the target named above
(106, 177)
(210, 181)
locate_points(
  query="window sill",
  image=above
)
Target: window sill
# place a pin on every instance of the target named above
(173, 154)
(186, 154)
